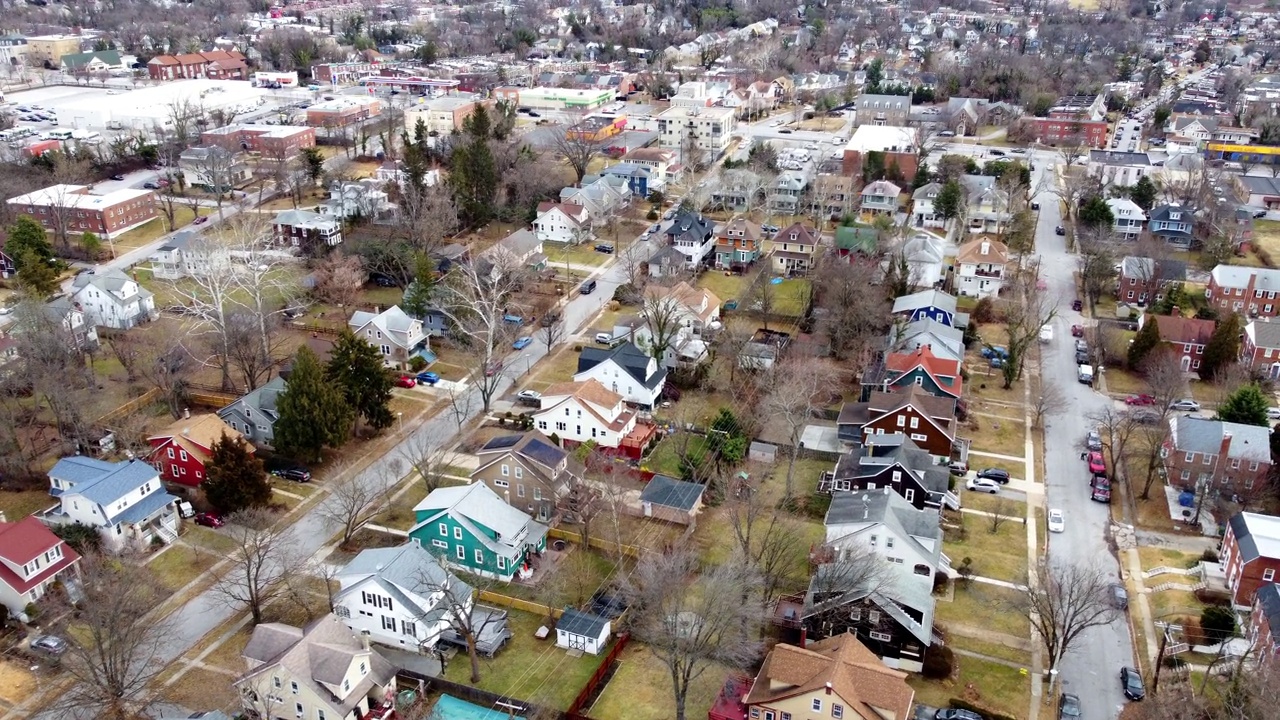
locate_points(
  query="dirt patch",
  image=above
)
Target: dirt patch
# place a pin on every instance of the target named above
(15, 683)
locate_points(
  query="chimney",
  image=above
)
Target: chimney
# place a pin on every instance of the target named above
(1176, 311)
(985, 247)
(364, 639)
(186, 413)
(828, 688)
(1224, 448)
(3, 518)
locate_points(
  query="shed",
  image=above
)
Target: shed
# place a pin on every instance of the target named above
(763, 452)
(576, 630)
(672, 500)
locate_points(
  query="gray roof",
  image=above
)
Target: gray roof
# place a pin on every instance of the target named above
(884, 506)
(1257, 535)
(1268, 600)
(923, 299)
(576, 622)
(477, 504)
(409, 566)
(102, 482)
(1248, 442)
(1260, 185)
(179, 240)
(109, 281)
(1142, 268)
(890, 449)
(1111, 157)
(1238, 276)
(520, 243)
(921, 331)
(669, 492)
(300, 217)
(1265, 334)
(270, 641)
(262, 399)
(629, 357)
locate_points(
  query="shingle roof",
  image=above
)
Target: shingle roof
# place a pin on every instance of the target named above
(1248, 442)
(1263, 333)
(923, 299)
(589, 391)
(576, 622)
(1268, 601)
(410, 566)
(983, 251)
(629, 357)
(103, 485)
(1147, 269)
(853, 672)
(1181, 330)
(669, 492)
(1257, 535)
(477, 503)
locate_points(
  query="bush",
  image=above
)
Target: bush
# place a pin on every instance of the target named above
(939, 661)
(81, 538)
(417, 363)
(652, 214)
(984, 312)
(962, 704)
(1219, 623)
(1214, 597)
(1209, 555)
(1173, 662)
(32, 611)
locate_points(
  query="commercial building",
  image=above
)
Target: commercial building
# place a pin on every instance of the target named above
(148, 108)
(894, 146)
(1074, 119)
(13, 50)
(343, 111)
(442, 115)
(707, 129)
(51, 48)
(597, 128)
(76, 210)
(882, 110)
(541, 98)
(336, 73)
(271, 141)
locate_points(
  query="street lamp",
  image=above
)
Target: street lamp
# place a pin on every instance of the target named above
(528, 362)
(399, 421)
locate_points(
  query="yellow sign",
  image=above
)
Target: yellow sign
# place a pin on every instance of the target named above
(1243, 149)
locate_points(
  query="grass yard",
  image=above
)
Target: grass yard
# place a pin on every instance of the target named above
(207, 539)
(992, 503)
(1123, 382)
(699, 407)
(727, 286)
(558, 368)
(641, 689)
(180, 564)
(204, 689)
(584, 254)
(999, 435)
(1153, 514)
(1153, 557)
(400, 514)
(716, 542)
(1001, 555)
(986, 606)
(228, 654)
(17, 504)
(666, 456)
(571, 581)
(528, 668)
(1167, 602)
(998, 650)
(989, 684)
(151, 230)
(1266, 235)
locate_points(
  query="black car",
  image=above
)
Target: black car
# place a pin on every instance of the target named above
(296, 474)
(1068, 707)
(1000, 476)
(997, 153)
(1120, 596)
(383, 280)
(1035, 206)
(956, 714)
(1059, 230)
(150, 186)
(1077, 305)
(117, 177)
(1131, 683)
(605, 248)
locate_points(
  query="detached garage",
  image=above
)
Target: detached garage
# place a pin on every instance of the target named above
(577, 630)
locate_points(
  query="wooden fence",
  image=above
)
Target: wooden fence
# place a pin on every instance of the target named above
(318, 329)
(599, 678)
(141, 401)
(215, 400)
(596, 542)
(519, 604)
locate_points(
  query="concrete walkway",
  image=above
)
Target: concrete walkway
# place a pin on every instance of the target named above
(1010, 458)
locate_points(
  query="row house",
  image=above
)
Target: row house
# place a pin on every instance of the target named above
(1143, 280)
(1185, 337)
(1216, 457)
(1127, 218)
(1250, 555)
(1260, 347)
(1246, 290)
(213, 65)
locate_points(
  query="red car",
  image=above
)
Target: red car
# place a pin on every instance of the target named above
(211, 520)
(493, 368)
(406, 381)
(1077, 331)
(1096, 465)
(1143, 399)
(201, 220)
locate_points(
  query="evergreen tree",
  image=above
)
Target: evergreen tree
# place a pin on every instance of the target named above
(312, 412)
(35, 276)
(1143, 343)
(947, 203)
(234, 478)
(1144, 193)
(91, 244)
(1223, 347)
(26, 234)
(1095, 212)
(923, 177)
(314, 160)
(474, 174)
(356, 370)
(417, 297)
(1247, 406)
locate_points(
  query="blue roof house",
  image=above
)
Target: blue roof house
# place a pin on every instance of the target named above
(125, 501)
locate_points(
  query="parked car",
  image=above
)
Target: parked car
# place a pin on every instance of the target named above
(522, 342)
(427, 377)
(994, 351)
(1093, 441)
(983, 485)
(997, 474)
(116, 177)
(1131, 683)
(1273, 413)
(200, 220)
(296, 474)
(406, 381)
(51, 644)
(1068, 707)
(587, 288)
(1145, 417)
(493, 368)
(1185, 404)
(1082, 358)
(604, 248)
(996, 362)
(997, 153)
(1077, 331)
(1100, 489)
(1140, 399)
(958, 469)
(381, 280)
(1082, 346)
(604, 338)
(956, 714)
(1057, 521)
(1077, 305)
(150, 185)
(1059, 230)
(210, 520)
(532, 398)
(1096, 464)
(1119, 596)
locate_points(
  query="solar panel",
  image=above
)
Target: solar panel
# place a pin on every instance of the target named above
(504, 441)
(548, 455)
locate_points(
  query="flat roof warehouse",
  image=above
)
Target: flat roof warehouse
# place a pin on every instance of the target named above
(147, 107)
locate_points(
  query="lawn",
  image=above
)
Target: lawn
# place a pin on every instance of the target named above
(558, 368)
(716, 541)
(1266, 235)
(180, 564)
(999, 650)
(999, 435)
(726, 286)
(153, 229)
(1153, 557)
(584, 254)
(984, 606)
(1167, 602)
(982, 462)
(989, 684)
(570, 582)
(17, 504)
(991, 503)
(666, 456)
(400, 514)
(207, 538)
(1124, 382)
(204, 689)
(699, 407)
(527, 668)
(641, 689)
(1001, 555)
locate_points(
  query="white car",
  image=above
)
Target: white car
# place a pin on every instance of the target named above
(1057, 522)
(983, 485)
(1273, 413)
(1046, 333)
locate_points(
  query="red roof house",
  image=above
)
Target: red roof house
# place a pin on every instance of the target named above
(181, 452)
(1187, 337)
(31, 559)
(938, 376)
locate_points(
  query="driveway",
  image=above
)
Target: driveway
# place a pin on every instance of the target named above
(1091, 667)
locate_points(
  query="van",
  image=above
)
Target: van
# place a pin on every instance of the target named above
(1084, 374)
(588, 287)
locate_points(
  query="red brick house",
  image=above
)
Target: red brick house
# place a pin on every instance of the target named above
(1143, 280)
(1187, 337)
(1247, 290)
(929, 420)
(1264, 622)
(31, 559)
(181, 452)
(1260, 347)
(1217, 457)
(274, 142)
(1250, 555)
(1066, 127)
(214, 65)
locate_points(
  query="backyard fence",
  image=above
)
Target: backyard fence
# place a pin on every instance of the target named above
(317, 329)
(141, 401)
(596, 542)
(519, 604)
(598, 679)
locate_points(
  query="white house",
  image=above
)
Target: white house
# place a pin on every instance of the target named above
(396, 335)
(627, 370)
(322, 671)
(124, 500)
(923, 213)
(400, 596)
(1128, 218)
(32, 558)
(71, 319)
(980, 267)
(363, 198)
(691, 235)
(562, 223)
(581, 411)
(112, 299)
(183, 256)
(1118, 169)
(576, 630)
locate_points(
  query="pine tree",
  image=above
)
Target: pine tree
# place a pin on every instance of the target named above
(26, 234)
(1144, 342)
(91, 244)
(356, 370)
(35, 276)
(1144, 193)
(312, 412)
(234, 478)
(1223, 347)
(417, 297)
(1247, 406)
(947, 203)
(474, 174)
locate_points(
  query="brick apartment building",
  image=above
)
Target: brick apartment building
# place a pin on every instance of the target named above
(1248, 290)
(337, 73)
(1264, 622)
(271, 141)
(105, 215)
(1250, 555)
(343, 111)
(1075, 118)
(1216, 457)
(1260, 347)
(213, 65)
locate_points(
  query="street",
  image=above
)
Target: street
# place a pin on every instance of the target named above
(1091, 667)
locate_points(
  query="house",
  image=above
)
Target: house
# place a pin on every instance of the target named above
(981, 267)
(832, 195)
(181, 452)
(738, 244)
(602, 196)
(925, 255)
(882, 110)
(664, 165)
(472, 529)
(306, 230)
(794, 249)
(214, 167)
(254, 414)
(624, 369)
(1127, 218)
(692, 235)
(1144, 280)
(112, 299)
(923, 213)
(686, 312)
(851, 240)
(986, 205)
(396, 335)
(667, 262)
(529, 472)
(1118, 169)
(1245, 290)
(525, 246)
(942, 340)
(562, 223)
(124, 501)
(637, 176)
(183, 255)
(921, 368)
(586, 410)
(71, 321)
(1173, 224)
(1264, 622)
(894, 462)
(880, 198)
(577, 630)
(671, 500)
(931, 305)
(1260, 347)
(362, 199)
(32, 559)
(86, 63)
(929, 420)
(1217, 457)
(786, 196)
(1186, 337)
(837, 677)
(1250, 555)
(400, 597)
(1194, 127)
(323, 670)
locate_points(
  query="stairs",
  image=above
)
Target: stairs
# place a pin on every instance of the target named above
(169, 536)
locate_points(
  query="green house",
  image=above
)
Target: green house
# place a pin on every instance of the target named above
(473, 530)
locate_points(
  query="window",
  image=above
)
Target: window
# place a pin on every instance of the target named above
(1207, 458)
(444, 530)
(297, 708)
(816, 705)
(882, 637)
(915, 423)
(873, 540)
(837, 711)
(1191, 457)
(462, 553)
(902, 421)
(183, 454)
(319, 714)
(440, 544)
(537, 493)
(502, 563)
(479, 556)
(1253, 465)
(457, 533)
(505, 471)
(755, 712)
(1269, 574)
(275, 681)
(170, 453)
(910, 495)
(519, 472)
(293, 686)
(1235, 463)
(888, 542)
(519, 489)
(388, 623)
(501, 483)
(873, 616)
(542, 424)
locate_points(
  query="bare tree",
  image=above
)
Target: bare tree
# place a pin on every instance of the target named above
(856, 308)
(354, 500)
(1064, 601)
(848, 573)
(457, 603)
(1097, 263)
(262, 559)
(999, 511)
(217, 171)
(578, 145)
(1027, 310)
(114, 654)
(552, 332)
(799, 387)
(663, 316)
(1051, 400)
(691, 622)
(339, 278)
(426, 457)
(210, 296)
(763, 535)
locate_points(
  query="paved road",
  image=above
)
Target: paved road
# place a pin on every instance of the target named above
(1091, 669)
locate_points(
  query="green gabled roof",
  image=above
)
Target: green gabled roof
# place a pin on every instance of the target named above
(75, 60)
(857, 238)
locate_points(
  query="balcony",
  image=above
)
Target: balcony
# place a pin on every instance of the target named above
(988, 273)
